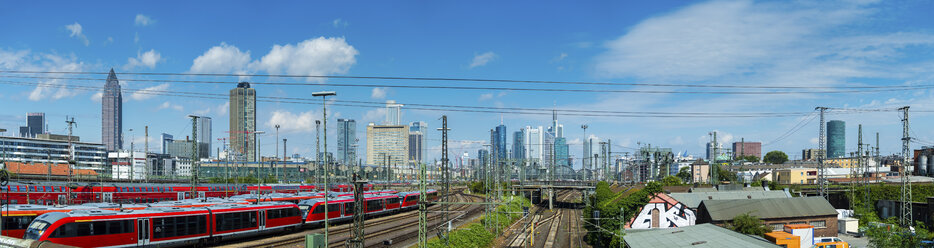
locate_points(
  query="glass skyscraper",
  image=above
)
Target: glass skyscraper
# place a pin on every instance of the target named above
(112, 114)
(418, 141)
(346, 140)
(518, 145)
(836, 139)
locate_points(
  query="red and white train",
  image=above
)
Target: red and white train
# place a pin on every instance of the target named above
(174, 226)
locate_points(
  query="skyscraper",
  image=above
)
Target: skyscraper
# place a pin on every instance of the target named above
(166, 140)
(518, 145)
(346, 140)
(243, 121)
(112, 114)
(204, 133)
(387, 142)
(836, 139)
(535, 145)
(561, 152)
(35, 124)
(393, 113)
(499, 143)
(418, 141)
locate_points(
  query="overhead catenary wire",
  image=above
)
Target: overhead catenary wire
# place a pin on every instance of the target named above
(578, 90)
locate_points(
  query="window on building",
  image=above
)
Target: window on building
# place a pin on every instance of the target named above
(819, 224)
(777, 226)
(798, 223)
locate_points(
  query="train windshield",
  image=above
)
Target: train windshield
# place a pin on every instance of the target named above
(36, 229)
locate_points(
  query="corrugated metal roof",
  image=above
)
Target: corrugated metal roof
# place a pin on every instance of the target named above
(703, 235)
(693, 200)
(724, 210)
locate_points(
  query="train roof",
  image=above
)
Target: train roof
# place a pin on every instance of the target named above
(321, 200)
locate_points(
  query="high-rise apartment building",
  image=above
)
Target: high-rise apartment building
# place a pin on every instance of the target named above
(387, 145)
(243, 122)
(518, 145)
(346, 141)
(35, 124)
(112, 114)
(836, 139)
(393, 113)
(418, 141)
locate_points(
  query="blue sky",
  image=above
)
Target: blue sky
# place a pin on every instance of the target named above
(744, 43)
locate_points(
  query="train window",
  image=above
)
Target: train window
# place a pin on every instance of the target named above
(234, 221)
(393, 200)
(272, 214)
(16, 222)
(319, 209)
(334, 207)
(99, 227)
(374, 205)
(348, 208)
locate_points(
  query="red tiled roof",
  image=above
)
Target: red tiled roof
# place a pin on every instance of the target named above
(43, 169)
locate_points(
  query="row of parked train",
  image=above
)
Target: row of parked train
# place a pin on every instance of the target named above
(192, 221)
(50, 193)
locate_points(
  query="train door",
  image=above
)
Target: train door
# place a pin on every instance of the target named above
(142, 232)
(201, 194)
(61, 199)
(262, 219)
(108, 197)
(181, 196)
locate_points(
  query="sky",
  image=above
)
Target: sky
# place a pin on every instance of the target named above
(663, 49)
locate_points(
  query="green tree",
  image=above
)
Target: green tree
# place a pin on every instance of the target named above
(748, 158)
(756, 184)
(685, 174)
(775, 157)
(726, 175)
(748, 224)
(671, 181)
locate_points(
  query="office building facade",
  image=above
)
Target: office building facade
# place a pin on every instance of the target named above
(243, 122)
(204, 132)
(33, 150)
(393, 113)
(112, 114)
(387, 145)
(346, 141)
(35, 125)
(166, 140)
(518, 145)
(182, 149)
(747, 149)
(418, 141)
(534, 146)
(836, 139)
(499, 143)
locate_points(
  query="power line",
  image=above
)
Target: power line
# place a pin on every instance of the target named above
(870, 90)
(463, 80)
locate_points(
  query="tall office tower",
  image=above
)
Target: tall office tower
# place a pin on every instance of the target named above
(561, 152)
(534, 146)
(587, 156)
(418, 141)
(836, 139)
(518, 145)
(35, 124)
(243, 122)
(499, 143)
(393, 113)
(112, 114)
(714, 148)
(346, 141)
(167, 139)
(204, 133)
(387, 142)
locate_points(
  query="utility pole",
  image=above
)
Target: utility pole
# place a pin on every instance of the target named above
(445, 175)
(284, 156)
(274, 166)
(146, 155)
(422, 208)
(71, 149)
(907, 217)
(821, 154)
(194, 156)
(324, 105)
(356, 241)
(318, 151)
(858, 167)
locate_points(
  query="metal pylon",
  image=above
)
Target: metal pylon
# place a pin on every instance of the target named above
(907, 217)
(445, 175)
(821, 154)
(356, 241)
(422, 208)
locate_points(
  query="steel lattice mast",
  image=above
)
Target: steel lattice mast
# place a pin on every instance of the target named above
(907, 217)
(821, 153)
(445, 175)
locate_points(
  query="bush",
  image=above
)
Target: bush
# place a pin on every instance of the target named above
(475, 235)
(747, 224)
(606, 235)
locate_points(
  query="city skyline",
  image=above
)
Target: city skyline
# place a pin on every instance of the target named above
(602, 52)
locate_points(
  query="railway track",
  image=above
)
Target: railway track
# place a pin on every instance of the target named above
(384, 227)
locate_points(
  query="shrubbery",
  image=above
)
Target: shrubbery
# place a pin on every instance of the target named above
(607, 233)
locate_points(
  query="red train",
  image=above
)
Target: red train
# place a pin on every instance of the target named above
(16, 218)
(162, 227)
(50, 193)
(174, 226)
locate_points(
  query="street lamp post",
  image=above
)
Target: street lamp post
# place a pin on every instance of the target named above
(274, 166)
(324, 113)
(259, 154)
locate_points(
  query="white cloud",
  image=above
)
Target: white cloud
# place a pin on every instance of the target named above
(222, 109)
(318, 56)
(78, 32)
(677, 141)
(377, 115)
(486, 96)
(337, 23)
(221, 59)
(97, 97)
(147, 59)
(168, 105)
(142, 20)
(290, 122)
(148, 92)
(136, 38)
(378, 93)
(560, 57)
(25, 60)
(482, 59)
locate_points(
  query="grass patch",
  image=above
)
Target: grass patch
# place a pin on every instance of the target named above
(475, 235)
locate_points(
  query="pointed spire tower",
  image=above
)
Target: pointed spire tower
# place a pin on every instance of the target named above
(112, 114)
